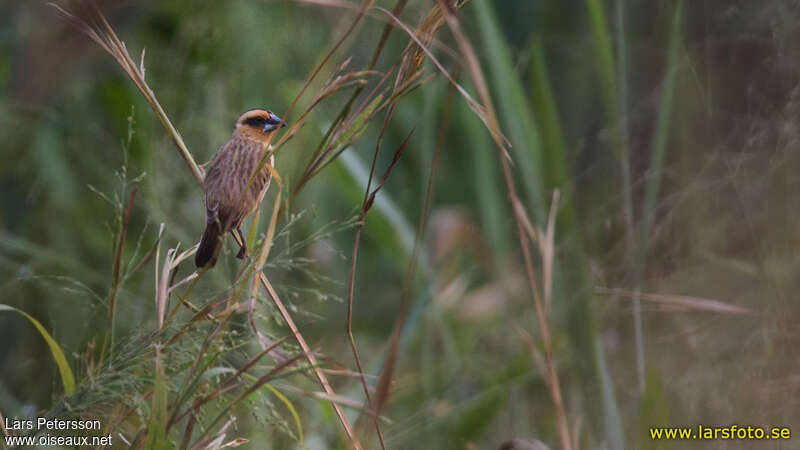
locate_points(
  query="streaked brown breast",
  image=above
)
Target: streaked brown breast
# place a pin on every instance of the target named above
(227, 198)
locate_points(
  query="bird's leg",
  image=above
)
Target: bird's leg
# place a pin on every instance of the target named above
(243, 249)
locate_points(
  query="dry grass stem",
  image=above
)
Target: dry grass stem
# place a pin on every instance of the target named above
(93, 24)
(323, 380)
(491, 122)
(680, 302)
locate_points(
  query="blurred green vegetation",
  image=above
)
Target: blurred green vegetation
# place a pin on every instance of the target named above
(669, 129)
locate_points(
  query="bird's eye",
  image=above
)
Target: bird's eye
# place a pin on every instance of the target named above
(256, 121)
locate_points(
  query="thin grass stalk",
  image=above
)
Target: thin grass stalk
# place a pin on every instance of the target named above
(520, 121)
(614, 92)
(547, 369)
(156, 430)
(252, 233)
(615, 111)
(387, 30)
(546, 118)
(477, 108)
(384, 384)
(260, 261)
(342, 400)
(255, 386)
(100, 31)
(479, 81)
(140, 264)
(323, 380)
(581, 325)
(315, 163)
(627, 196)
(547, 249)
(614, 84)
(369, 198)
(162, 296)
(349, 325)
(613, 81)
(655, 169)
(226, 385)
(193, 374)
(359, 16)
(622, 123)
(406, 71)
(116, 277)
(158, 257)
(661, 136)
(680, 302)
(187, 432)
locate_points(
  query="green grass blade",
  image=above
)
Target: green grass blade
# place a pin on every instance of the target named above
(514, 109)
(653, 185)
(661, 137)
(546, 114)
(613, 83)
(572, 279)
(67, 378)
(623, 139)
(605, 55)
(491, 200)
(292, 410)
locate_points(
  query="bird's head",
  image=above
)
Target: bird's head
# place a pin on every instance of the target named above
(258, 123)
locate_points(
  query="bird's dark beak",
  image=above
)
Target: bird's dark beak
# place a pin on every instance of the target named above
(274, 122)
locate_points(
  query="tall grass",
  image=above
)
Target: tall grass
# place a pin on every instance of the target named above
(492, 202)
(92, 23)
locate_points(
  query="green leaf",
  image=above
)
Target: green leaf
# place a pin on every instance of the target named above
(515, 110)
(290, 406)
(67, 378)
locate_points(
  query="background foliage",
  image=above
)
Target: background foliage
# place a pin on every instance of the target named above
(670, 131)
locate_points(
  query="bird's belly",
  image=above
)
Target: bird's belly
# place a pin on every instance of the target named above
(244, 198)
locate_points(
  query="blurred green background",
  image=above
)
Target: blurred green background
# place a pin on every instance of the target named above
(669, 129)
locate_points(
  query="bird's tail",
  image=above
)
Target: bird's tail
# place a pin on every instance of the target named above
(209, 247)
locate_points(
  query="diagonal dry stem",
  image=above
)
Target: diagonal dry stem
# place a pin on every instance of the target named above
(323, 379)
(93, 24)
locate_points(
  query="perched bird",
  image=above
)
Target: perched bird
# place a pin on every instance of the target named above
(229, 198)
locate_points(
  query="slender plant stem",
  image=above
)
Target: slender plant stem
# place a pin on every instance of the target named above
(655, 169)
(323, 380)
(480, 84)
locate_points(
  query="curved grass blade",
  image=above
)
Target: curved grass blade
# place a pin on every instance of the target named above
(291, 409)
(67, 378)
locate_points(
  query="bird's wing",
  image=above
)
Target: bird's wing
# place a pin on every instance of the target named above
(215, 181)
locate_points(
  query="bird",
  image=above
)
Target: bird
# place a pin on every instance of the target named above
(230, 194)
